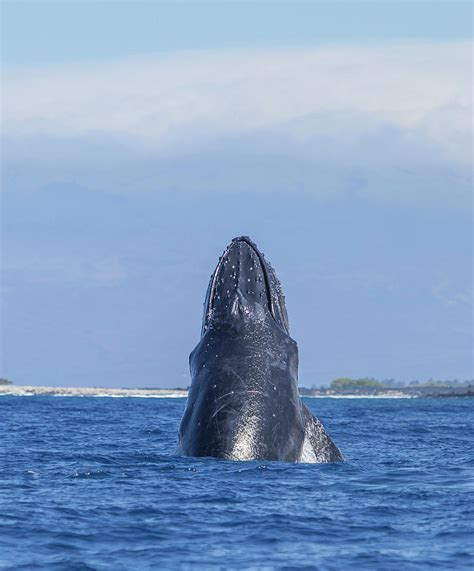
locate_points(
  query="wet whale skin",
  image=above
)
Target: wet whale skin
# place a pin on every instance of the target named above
(243, 402)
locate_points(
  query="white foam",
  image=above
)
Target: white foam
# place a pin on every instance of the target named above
(120, 396)
(100, 392)
(383, 396)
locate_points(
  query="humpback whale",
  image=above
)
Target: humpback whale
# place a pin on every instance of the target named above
(243, 403)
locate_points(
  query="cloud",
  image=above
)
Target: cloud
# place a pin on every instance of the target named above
(309, 98)
(449, 296)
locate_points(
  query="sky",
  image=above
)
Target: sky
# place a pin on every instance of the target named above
(139, 138)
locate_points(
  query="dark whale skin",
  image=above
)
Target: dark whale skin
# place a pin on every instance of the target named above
(243, 403)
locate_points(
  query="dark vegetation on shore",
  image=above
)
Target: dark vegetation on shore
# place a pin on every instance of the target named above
(370, 386)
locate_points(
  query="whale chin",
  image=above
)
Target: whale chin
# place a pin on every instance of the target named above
(244, 283)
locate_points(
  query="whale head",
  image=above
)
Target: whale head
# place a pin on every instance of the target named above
(244, 285)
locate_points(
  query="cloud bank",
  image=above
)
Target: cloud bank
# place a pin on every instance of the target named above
(306, 98)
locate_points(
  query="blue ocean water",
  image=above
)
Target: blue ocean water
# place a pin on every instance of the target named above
(92, 483)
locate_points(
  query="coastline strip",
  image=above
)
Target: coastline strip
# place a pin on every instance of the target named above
(24, 390)
(19, 390)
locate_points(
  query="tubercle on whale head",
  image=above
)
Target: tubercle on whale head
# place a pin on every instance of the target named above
(244, 284)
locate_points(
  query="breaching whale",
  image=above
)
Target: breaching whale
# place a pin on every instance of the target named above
(243, 403)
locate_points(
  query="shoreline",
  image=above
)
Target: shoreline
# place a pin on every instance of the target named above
(26, 390)
(30, 390)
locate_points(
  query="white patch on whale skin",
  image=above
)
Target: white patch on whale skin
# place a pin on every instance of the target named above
(318, 448)
(309, 456)
(243, 447)
(307, 452)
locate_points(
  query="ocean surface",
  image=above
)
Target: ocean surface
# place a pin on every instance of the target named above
(93, 483)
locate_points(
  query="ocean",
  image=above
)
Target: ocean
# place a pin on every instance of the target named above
(92, 484)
